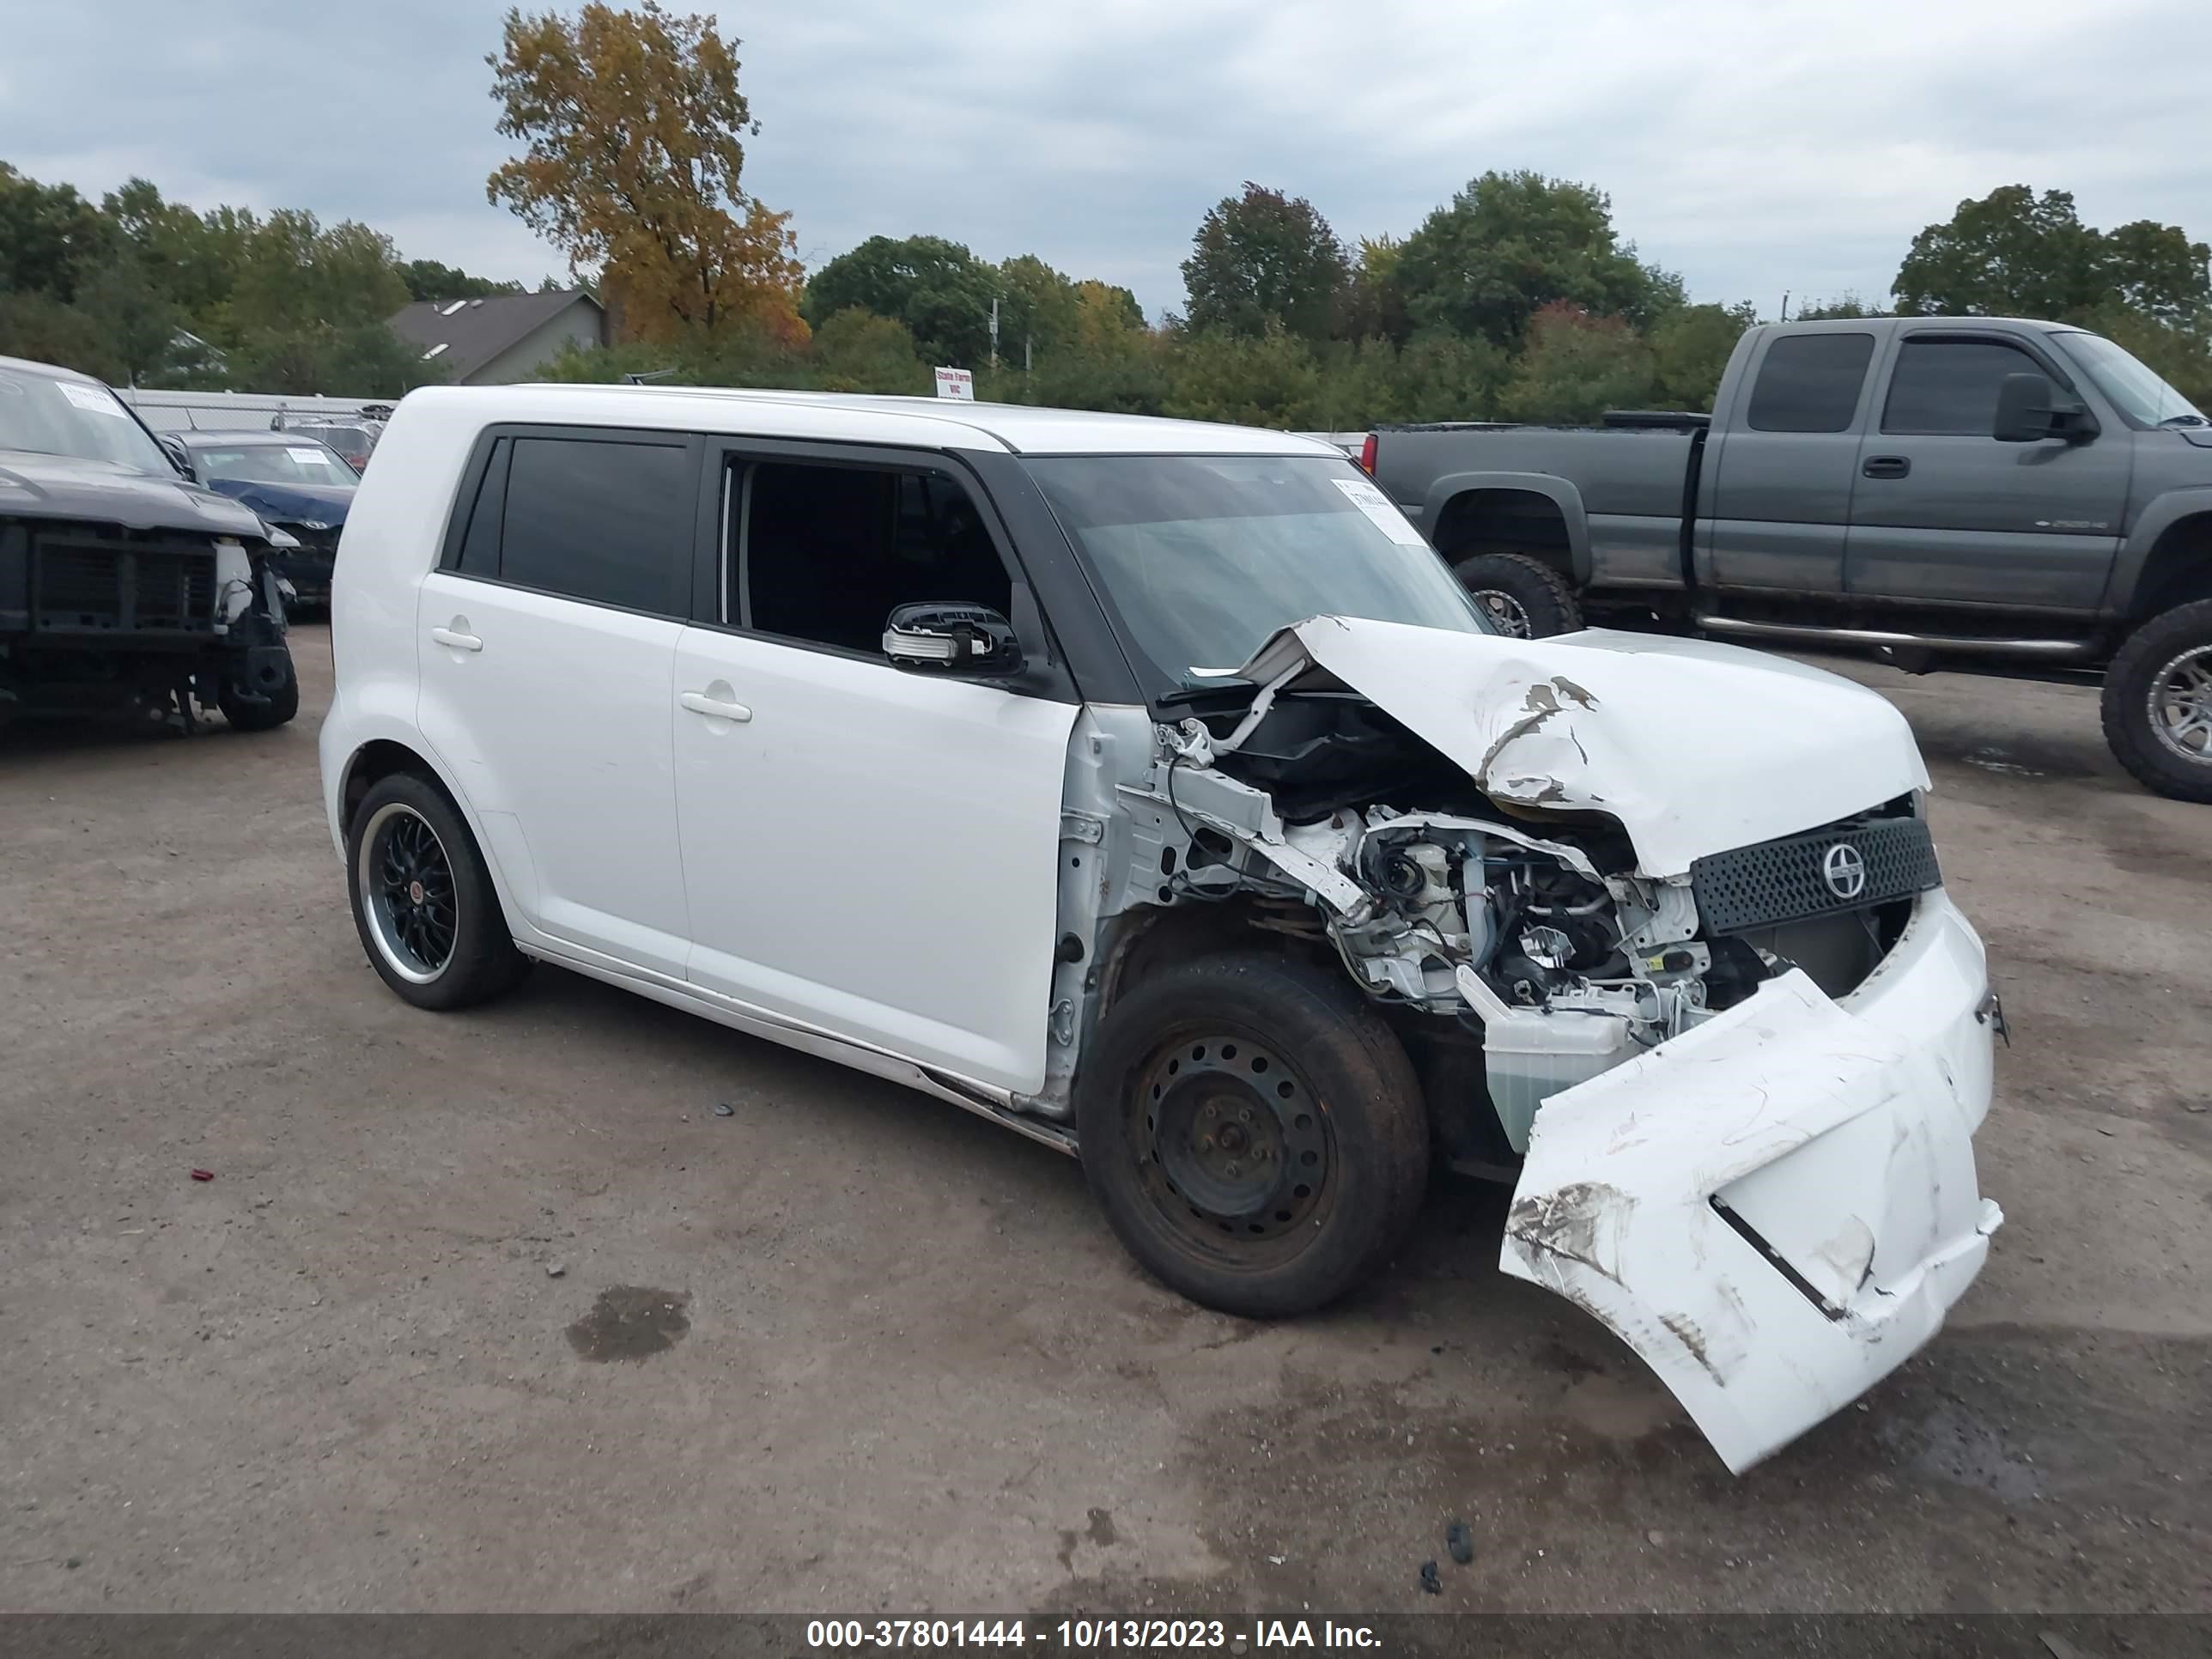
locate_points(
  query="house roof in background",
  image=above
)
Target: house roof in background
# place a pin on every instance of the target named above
(461, 336)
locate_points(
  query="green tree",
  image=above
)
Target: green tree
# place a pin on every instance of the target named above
(427, 279)
(2015, 253)
(2156, 270)
(1374, 304)
(856, 350)
(50, 236)
(1512, 243)
(1038, 308)
(192, 259)
(1846, 304)
(139, 325)
(1448, 377)
(1575, 366)
(1690, 347)
(2011, 254)
(362, 360)
(939, 289)
(1264, 260)
(298, 275)
(1271, 381)
(48, 330)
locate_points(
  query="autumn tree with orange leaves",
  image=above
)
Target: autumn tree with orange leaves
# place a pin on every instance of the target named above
(634, 127)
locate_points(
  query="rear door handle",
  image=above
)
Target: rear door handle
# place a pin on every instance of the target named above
(714, 707)
(460, 641)
(1886, 466)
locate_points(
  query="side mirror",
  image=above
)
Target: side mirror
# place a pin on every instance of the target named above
(2031, 409)
(179, 457)
(952, 638)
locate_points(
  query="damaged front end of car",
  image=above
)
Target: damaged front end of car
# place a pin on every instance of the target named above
(1703, 999)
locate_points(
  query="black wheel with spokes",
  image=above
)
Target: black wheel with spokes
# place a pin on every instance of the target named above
(424, 904)
(409, 892)
(1254, 1132)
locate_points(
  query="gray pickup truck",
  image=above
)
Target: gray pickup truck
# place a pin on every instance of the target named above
(1961, 493)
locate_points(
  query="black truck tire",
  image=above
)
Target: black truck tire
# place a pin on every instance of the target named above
(274, 707)
(1521, 596)
(1254, 1132)
(2157, 703)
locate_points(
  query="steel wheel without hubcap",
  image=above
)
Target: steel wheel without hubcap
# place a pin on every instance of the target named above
(2181, 705)
(1236, 1155)
(407, 892)
(1505, 612)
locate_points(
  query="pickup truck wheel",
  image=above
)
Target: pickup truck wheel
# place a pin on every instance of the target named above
(423, 901)
(1254, 1132)
(1523, 597)
(2157, 704)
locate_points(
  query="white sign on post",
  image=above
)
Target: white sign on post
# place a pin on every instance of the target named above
(956, 383)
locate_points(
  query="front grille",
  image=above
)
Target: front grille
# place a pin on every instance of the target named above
(1788, 880)
(84, 586)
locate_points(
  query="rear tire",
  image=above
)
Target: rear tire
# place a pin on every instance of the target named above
(423, 901)
(1522, 597)
(2157, 703)
(1254, 1132)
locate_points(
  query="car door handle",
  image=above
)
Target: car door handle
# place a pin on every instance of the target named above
(1886, 466)
(459, 641)
(714, 708)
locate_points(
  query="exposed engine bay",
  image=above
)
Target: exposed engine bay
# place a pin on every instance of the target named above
(1531, 933)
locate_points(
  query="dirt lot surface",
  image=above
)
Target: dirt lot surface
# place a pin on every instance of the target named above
(849, 1350)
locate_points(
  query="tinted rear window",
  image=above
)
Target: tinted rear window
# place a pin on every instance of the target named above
(595, 520)
(1810, 383)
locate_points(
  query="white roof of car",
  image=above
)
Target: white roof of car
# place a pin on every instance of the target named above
(932, 423)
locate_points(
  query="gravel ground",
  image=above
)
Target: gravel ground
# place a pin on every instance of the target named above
(496, 1310)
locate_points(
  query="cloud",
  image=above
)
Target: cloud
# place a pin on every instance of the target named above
(1755, 148)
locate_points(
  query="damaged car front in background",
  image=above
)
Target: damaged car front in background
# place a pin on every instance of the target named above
(1659, 921)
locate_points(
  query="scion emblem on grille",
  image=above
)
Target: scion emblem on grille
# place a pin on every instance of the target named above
(1844, 871)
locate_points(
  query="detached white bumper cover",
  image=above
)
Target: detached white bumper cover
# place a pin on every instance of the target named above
(1776, 1209)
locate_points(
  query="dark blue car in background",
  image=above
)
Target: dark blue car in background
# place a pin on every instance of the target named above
(294, 482)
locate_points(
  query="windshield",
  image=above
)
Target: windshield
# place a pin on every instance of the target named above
(51, 416)
(302, 463)
(1206, 556)
(2131, 385)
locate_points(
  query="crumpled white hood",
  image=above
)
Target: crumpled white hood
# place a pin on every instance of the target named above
(1694, 747)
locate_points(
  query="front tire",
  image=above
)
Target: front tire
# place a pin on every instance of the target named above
(423, 901)
(1254, 1132)
(1521, 596)
(260, 708)
(2157, 703)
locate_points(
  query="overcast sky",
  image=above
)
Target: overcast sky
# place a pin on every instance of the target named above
(1753, 146)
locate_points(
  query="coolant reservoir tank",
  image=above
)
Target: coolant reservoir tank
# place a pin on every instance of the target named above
(1532, 1054)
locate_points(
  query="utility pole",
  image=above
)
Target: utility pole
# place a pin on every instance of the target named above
(1027, 342)
(1785, 306)
(994, 331)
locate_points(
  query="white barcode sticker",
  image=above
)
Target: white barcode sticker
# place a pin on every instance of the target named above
(1380, 513)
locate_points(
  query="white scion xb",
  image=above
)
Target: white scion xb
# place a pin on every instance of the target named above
(1151, 789)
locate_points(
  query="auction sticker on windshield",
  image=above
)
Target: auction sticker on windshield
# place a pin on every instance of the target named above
(92, 398)
(1377, 507)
